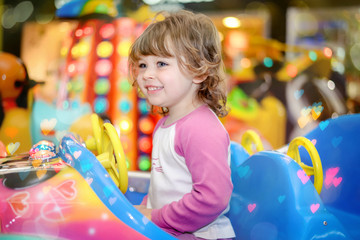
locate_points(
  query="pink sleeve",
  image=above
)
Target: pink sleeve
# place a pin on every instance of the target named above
(144, 201)
(205, 147)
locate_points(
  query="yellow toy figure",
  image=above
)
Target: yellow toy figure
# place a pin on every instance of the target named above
(15, 107)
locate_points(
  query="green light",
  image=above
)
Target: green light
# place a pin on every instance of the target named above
(102, 8)
(313, 56)
(144, 163)
(125, 86)
(268, 62)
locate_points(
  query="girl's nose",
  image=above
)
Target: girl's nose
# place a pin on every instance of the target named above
(149, 73)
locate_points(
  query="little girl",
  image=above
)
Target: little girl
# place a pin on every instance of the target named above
(177, 65)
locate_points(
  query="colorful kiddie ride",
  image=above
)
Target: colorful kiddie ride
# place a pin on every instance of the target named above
(274, 197)
(68, 194)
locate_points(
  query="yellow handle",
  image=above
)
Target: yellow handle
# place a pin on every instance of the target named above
(108, 146)
(316, 170)
(119, 156)
(249, 138)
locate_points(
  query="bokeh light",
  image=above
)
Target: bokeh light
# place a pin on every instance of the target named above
(327, 52)
(291, 70)
(102, 86)
(124, 47)
(268, 62)
(145, 144)
(100, 105)
(125, 105)
(103, 67)
(231, 22)
(146, 125)
(125, 125)
(107, 31)
(104, 49)
(144, 163)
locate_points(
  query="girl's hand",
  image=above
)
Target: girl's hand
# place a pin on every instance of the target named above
(145, 211)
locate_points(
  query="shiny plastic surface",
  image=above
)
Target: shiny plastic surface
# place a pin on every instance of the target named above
(274, 199)
(337, 142)
(56, 201)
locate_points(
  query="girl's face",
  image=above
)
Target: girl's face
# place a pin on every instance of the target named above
(164, 84)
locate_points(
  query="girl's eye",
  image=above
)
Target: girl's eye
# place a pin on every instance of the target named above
(162, 64)
(142, 65)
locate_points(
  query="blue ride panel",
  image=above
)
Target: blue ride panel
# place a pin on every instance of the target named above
(337, 142)
(274, 199)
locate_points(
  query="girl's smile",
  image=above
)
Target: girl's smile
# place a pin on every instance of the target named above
(165, 84)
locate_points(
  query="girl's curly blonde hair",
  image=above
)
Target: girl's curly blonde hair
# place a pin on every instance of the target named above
(196, 45)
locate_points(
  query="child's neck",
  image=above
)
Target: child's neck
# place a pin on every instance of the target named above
(174, 115)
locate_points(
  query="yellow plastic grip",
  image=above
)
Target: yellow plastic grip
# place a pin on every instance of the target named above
(110, 131)
(316, 170)
(249, 138)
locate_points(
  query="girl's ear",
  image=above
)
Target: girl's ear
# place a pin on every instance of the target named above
(199, 79)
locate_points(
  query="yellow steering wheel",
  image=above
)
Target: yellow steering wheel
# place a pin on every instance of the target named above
(110, 151)
(316, 170)
(250, 138)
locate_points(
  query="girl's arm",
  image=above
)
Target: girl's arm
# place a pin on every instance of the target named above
(205, 150)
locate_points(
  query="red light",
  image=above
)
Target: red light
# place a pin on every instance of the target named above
(88, 31)
(146, 125)
(103, 67)
(291, 70)
(107, 31)
(78, 33)
(145, 144)
(327, 52)
(72, 69)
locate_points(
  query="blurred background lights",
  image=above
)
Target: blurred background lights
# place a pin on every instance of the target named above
(145, 144)
(103, 67)
(77, 86)
(268, 62)
(20, 13)
(123, 48)
(125, 106)
(125, 125)
(337, 66)
(237, 40)
(143, 106)
(84, 48)
(291, 70)
(100, 105)
(104, 49)
(327, 52)
(102, 86)
(146, 125)
(79, 33)
(331, 84)
(313, 56)
(231, 22)
(88, 30)
(144, 163)
(107, 31)
(60, 3)
(125, 86)
(340, 53)
(71, 69)
(355, 55)
(245, 63)
(23, 11)
(81, 49)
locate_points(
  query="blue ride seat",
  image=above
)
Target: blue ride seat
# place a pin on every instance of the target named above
(273, 199)
(337, 142)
